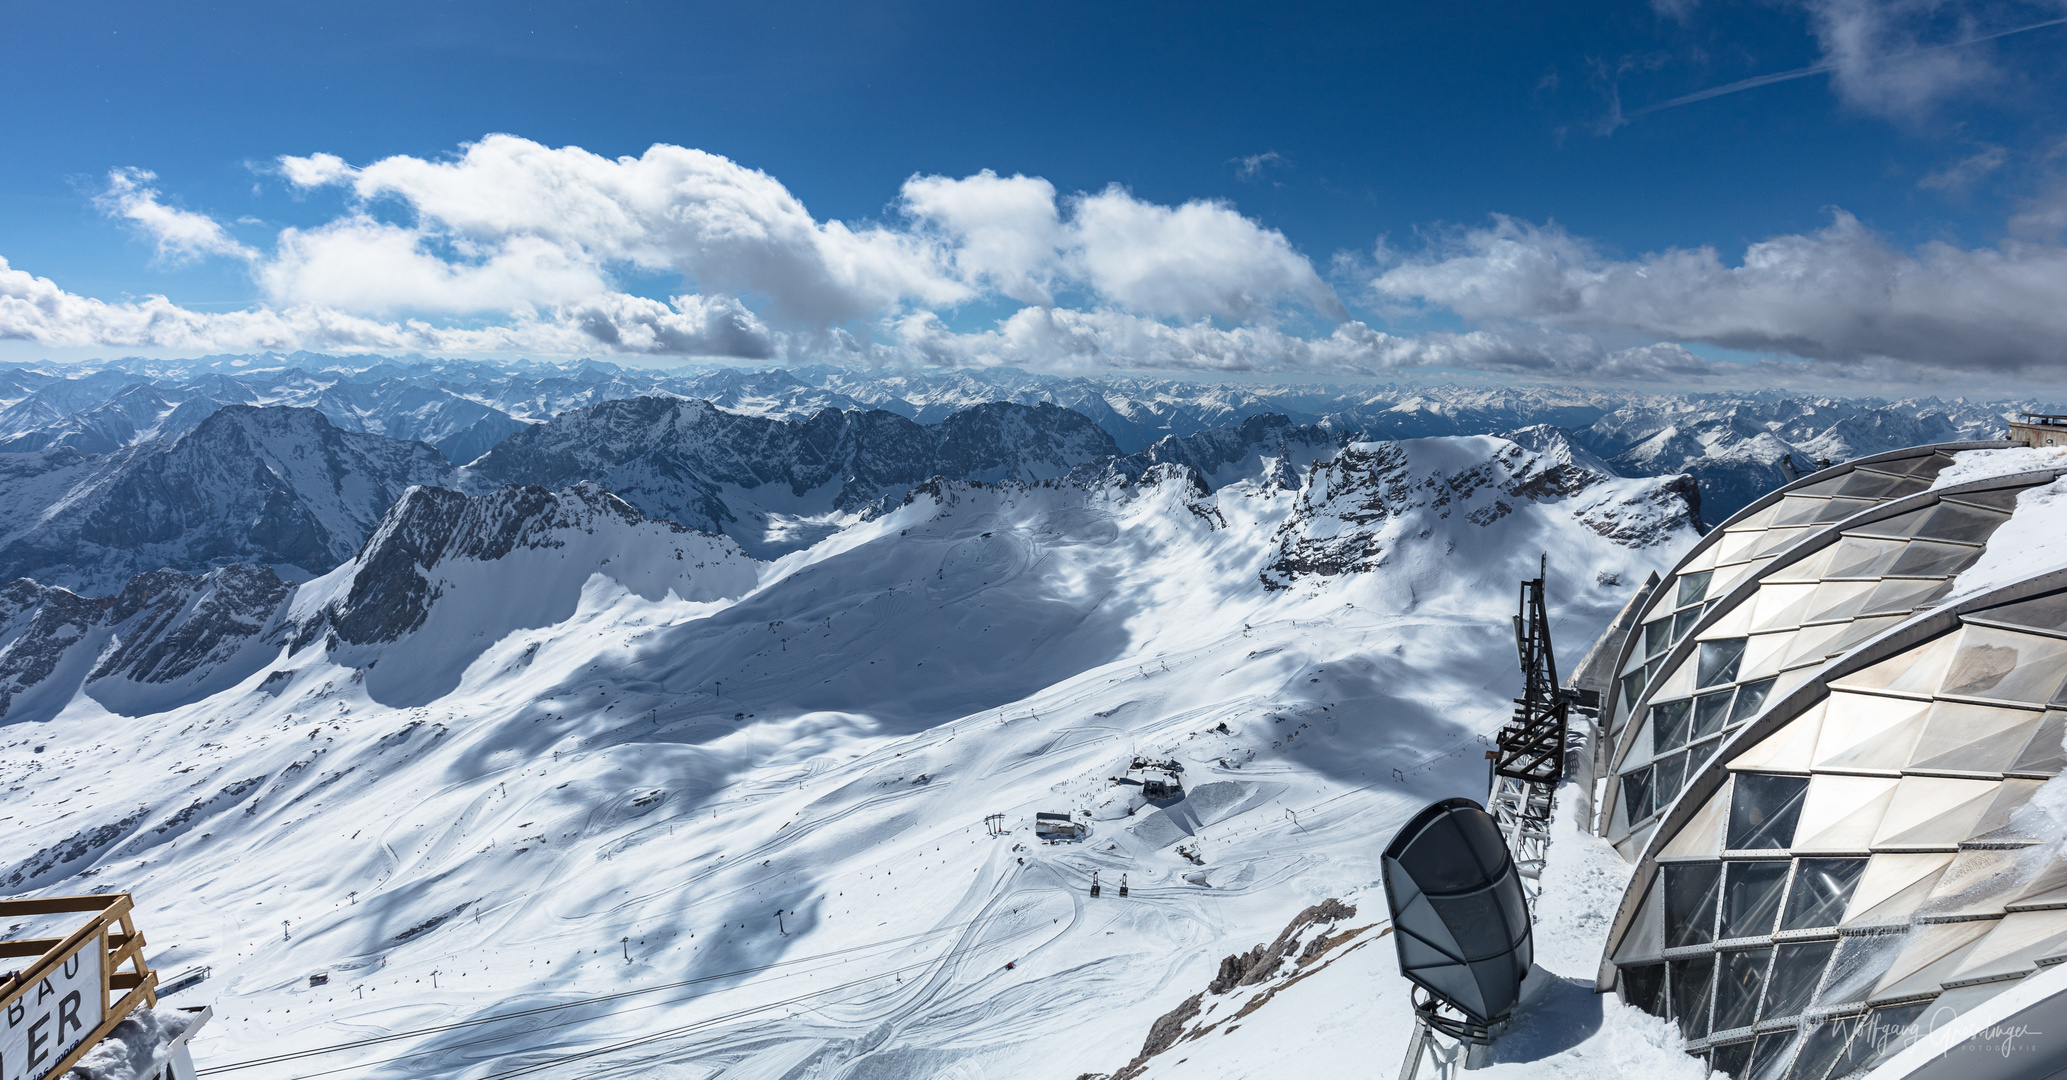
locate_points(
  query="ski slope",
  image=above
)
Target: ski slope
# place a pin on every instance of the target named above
(588, 819)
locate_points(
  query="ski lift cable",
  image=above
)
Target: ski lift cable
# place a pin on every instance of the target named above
(599, 999)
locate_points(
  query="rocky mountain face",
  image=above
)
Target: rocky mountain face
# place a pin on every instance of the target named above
(1364, 508)
(1267, 444)
(168, 638)
(277, 486)
(1734, 446)
(103, 467)
(688, 461)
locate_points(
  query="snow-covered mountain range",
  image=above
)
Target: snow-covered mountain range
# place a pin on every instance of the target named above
(530, 748)
(1732, 443)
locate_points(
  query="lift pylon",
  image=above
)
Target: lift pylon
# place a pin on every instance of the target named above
(1528, 758)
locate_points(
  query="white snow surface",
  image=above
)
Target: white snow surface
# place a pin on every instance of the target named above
(2031, 543)
(760, 810)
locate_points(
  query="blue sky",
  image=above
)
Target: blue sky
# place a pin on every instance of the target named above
(1304, 189)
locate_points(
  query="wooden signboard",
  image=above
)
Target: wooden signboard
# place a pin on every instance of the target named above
(57, 1007)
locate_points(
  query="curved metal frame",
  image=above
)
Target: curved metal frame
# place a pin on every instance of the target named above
(1746, 589)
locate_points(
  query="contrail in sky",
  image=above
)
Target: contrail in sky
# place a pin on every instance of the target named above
(1819, 69)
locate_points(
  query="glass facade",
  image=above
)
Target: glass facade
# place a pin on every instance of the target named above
(1858, 856)
(1704, 661)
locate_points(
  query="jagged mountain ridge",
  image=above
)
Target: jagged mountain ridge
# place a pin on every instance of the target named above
(279, 486)
(282, 486)
(1356, 510)
(1732, 441)
(170, 638)
(772, 483)
(689, 461)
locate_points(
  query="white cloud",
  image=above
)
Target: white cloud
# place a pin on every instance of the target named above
(1067, 340)
(1252, 166)
(362, 265)
(724, 227)
(180, 235)
(1005, 232)
(1840, 294)
(1195, 260)
(505, 203)
(35, 309)
(1881, 57)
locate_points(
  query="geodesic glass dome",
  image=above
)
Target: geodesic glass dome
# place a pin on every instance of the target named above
(1852, 867)
(1762, 602)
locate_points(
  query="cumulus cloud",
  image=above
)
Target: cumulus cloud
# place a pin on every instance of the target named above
(1200, 259)
(1003, 232)
(1063, 339)
(36, 309)
(1190, 261)
(1841, 294)
(513, 221)
(372, 267)
(180, 235)
(535, 214)
(523, 247)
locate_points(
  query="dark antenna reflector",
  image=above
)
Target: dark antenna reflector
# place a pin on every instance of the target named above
(1459, 916)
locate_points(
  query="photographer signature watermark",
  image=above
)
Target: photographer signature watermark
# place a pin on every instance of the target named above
(1883, 1035)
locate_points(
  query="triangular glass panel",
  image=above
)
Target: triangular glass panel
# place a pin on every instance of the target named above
(2014, 946)
(1963, 524)
(1791, 748)
(2047, 612)
(2044, 753)
(1959, 737)
(1702, 835)
(1866, 731)
(2004, 499)
(1899, 596)
(1842, 813)
(1926, 558)
(1894, 883)
(1645, 938)
(2004, 665)
(1897, 527)
(1864, 556)
(1930, 811)
(1916, 670)
(1933, 952)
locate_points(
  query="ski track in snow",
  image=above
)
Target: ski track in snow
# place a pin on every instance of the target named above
(625, 797)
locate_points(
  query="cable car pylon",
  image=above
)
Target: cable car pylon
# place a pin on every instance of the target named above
(1528, 758)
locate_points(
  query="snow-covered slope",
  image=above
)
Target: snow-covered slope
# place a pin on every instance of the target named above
(752, 795)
